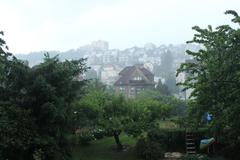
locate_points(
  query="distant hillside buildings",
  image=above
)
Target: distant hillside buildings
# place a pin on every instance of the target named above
(100, 44)
(109, 74)
(134, 79)
(106, 63)
(185, 94)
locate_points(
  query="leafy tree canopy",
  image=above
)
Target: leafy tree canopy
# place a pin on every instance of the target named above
(214, 74)
(36, 106)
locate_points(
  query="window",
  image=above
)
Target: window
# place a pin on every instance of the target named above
(138, 90)
(132, 91)
(122, 89)
(137, 78)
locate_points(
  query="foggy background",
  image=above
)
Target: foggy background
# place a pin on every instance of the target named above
(36, 25)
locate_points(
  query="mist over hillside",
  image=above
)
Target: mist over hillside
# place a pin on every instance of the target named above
(106, 64)
(98, 53)
(115, 80)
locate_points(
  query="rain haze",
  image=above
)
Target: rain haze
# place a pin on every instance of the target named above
(119, 79)
(34, 25)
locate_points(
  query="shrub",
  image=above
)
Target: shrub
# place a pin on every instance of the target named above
(98, 133)
(158, 136)
(73, 139)
(38, 155)
(149, 150)
(174, 139)
(85, 136)
(154, 151)
(141, 147)
(160, 140)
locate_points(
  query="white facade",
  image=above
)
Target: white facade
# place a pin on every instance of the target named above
(109, 74)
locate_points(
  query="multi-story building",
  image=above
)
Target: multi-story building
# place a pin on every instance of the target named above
(109, 74)
(185, 94)
(134, 79)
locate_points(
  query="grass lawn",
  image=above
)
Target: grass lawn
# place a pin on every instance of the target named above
(167, 125)
(104, 149)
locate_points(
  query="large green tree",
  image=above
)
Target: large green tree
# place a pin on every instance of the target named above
(36, 106)
(214, 74)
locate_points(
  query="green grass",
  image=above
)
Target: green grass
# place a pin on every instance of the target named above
(104, 149)
(167, 125)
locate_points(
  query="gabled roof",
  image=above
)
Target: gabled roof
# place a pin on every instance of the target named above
(126, 70)
(146, 72)
(126, 75)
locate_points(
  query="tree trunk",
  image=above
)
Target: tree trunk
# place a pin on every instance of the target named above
(117, 140)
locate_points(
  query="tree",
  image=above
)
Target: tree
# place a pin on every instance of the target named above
(132, 117)
(171, 83)
(166, 66)
(115, 114)
(176, 107)
(91, 74)
(95, 85)
(162, 88)
(115, 117)
(215, 77)
(36, 106)
(88, 110)
(13, 141)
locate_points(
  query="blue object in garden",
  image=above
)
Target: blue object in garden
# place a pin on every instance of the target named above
(205, 143)
(209, 117)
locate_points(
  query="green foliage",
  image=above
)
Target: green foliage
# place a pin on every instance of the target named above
(103, 149)
(115, 117)
(85, 136)
(173, 140)
(17, 132)
(115, 114)
(139, 118)
(149, 150)
(36, 106)
(151, 147)
(162, 88)
(175, 107)
(214, 76)
(88, 109)
(99, 133)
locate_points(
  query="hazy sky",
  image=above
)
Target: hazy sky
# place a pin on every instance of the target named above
(34, 25)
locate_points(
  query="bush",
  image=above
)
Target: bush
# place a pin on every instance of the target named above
(38, 155)
(174, 139)
(73, 139)
(158, 136)
(149, 150)
(85, 136)
(154, 151)
(98, 133)
(141, 147)
(153, 146)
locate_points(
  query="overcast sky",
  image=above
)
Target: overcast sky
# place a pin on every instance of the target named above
(35, 25)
